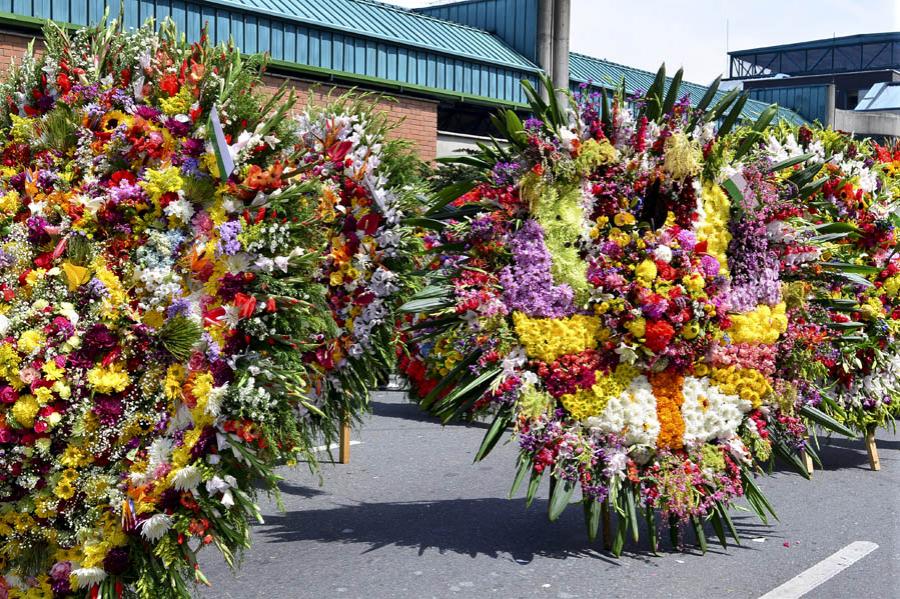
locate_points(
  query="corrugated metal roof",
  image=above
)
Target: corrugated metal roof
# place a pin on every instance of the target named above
(603, 73)
(389, 23)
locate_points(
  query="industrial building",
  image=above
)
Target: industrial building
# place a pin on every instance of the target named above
(849, 83)
(442, 69)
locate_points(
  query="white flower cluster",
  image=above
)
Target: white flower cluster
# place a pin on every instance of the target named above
(708, 413)
(632, 414)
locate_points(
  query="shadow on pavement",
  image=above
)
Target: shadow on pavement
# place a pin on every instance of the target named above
(411, 411)
(492, 527)
(496, 528)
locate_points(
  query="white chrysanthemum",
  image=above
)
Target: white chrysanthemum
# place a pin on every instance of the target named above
(632, 414)
(214, 400)
(88, 577)
(180, 209)
(708, 413)
(663, 253)
(159, 451)
(187, 479)
(155, 527)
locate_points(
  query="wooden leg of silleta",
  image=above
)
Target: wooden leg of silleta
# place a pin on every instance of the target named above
(344, 450)
(607, 528)
(872, 449)
(807, 459)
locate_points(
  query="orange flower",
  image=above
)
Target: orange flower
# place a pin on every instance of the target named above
(667, 389)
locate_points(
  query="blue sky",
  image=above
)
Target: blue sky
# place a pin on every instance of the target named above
(643, 33)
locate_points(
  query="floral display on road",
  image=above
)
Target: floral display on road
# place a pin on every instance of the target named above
(194, 288)
(627, 285)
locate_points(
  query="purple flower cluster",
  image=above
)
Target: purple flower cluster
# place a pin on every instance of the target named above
(528, 284)
(754, 266)
(228, 237)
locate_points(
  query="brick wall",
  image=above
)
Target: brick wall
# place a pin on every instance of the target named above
(414, 119)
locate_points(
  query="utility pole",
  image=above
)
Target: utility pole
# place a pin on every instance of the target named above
(545, 40)
(562, 13)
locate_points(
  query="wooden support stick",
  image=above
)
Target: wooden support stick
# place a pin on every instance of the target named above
(344, 451)
(807, 459)
(607, 527)
(872, 449)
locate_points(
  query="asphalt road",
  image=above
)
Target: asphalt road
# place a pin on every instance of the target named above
(412, 517)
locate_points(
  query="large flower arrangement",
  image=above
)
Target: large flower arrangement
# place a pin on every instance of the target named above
(191, 284)
(608, 286)
(844, 301)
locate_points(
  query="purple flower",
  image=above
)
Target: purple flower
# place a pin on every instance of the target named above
(528, 284)
(228, 237)
(755, 277)
(710, 265)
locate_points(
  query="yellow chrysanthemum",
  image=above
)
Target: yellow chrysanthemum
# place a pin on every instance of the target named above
(549, 338)
(109, 379)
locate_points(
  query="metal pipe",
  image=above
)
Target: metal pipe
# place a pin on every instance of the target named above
(562, 12)
(545, 38)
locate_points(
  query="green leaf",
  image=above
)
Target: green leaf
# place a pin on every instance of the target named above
(559, 498)
(723, 511)
(619, 541)
(650, 518)
(718, 527)
(525, 466)
(698, 530)
(733, 115)
(826, 421)
(707, 97)
(721, 105)
(447, 194)
(631, 512)
(458, 394)
(791, 458)
(788, 163)
(592, 516)
(498, 426)
(448, 380)
(426, 305)
(533, 486)
(672, 95)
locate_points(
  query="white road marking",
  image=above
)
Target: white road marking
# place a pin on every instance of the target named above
(332, 446)
(827, 568)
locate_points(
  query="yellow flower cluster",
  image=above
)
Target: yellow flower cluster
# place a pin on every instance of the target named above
(549, 338)
(892, 286)
(30, 340)
(714, 228)
(180, 103)
(109, 379)
(533, 403)
(9, 362)
(591, 402)
(65, 486)
(9, 203)
(683, 157)
(750, 384)
(162, 181)
(592, 154)
(25, 409)
(763, 325)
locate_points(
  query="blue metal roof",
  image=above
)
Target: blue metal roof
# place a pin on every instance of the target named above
(603, 73)
(357, 41)
(514, 21)
(386, 22)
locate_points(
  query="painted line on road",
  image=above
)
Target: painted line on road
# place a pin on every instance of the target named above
(332, 446)
(826, 569)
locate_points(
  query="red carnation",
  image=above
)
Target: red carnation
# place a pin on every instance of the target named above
(658, 335)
